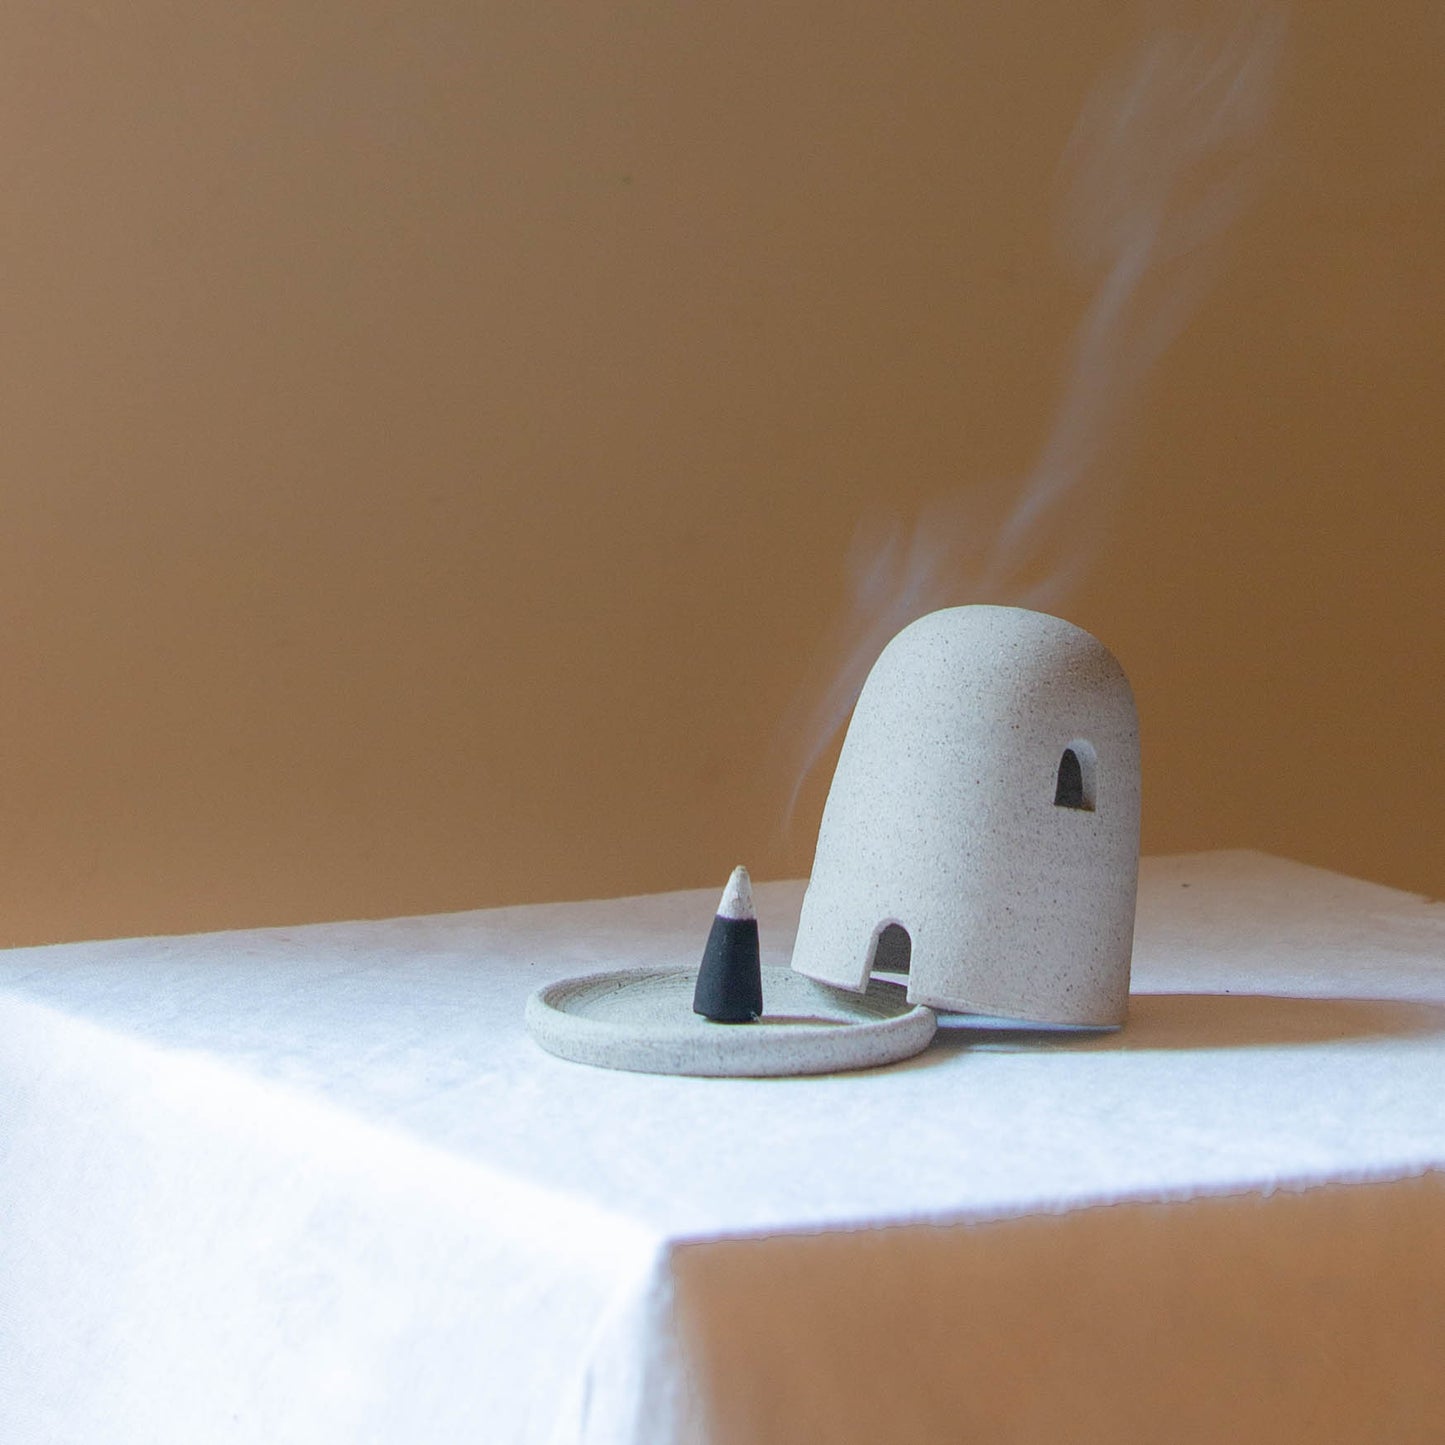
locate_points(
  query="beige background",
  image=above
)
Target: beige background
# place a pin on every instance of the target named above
(1294, 1316)
(433, 434)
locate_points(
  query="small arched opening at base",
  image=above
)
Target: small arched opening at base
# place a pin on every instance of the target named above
(892, 949)
(1077, 782)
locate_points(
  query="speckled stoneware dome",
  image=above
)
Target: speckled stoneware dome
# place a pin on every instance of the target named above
(982, 829)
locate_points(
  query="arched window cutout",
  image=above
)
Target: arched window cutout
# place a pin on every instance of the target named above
(1075, 787)
(892, 950)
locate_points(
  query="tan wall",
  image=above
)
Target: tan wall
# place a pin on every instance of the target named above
(430, 436)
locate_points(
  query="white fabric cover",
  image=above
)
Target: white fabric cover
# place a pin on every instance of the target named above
(317, 1185)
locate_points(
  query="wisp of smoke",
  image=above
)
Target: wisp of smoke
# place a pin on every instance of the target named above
(1160, 161)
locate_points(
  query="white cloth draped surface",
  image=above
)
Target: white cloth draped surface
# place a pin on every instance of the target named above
(316, 1185)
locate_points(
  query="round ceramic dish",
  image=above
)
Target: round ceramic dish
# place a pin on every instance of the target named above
(642, 1019)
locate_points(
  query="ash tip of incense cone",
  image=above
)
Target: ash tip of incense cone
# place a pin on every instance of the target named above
(737, 898)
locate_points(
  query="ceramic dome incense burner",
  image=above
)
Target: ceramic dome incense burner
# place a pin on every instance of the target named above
(982, 829)
(981, 838)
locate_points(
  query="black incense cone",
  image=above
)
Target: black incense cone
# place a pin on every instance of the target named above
(730, 980)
